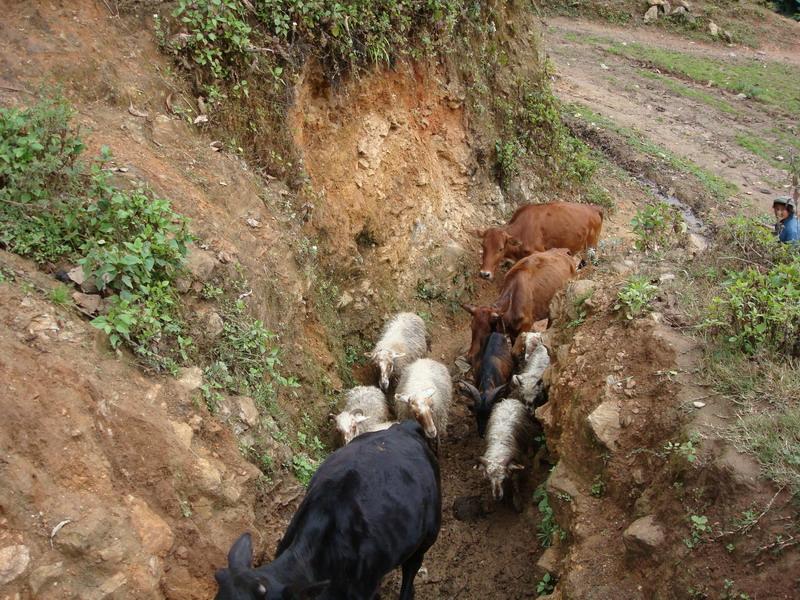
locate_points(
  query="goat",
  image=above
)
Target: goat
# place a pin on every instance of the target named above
(495, 371)
(537, 359)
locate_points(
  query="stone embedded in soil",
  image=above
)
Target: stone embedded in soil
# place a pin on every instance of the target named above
(155, 535)
(549, 562)
(713, 29)
(88, 303)
(247, 413)
(13, 562)
(345, 300)
(213, 323)
(200, 263)
(190, 379)
(651, 14)
(643, 536)
(44, 575)
(605, 423)
(44, 326)
(183, 432)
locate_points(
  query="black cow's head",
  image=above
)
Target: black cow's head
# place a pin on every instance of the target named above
(482, 403)
(241, 582)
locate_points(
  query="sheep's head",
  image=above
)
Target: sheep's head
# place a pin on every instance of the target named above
(348, 423)
(421, 405)
(384, 359)
(496, 473)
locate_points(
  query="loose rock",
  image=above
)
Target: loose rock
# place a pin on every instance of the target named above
(200, 263)
(643, 536)
(651, 14)
(248, 413)
(214, 325)
(45, 575)
(13, 562)
(605, 423)
(190, 379)
(87, 303)
(713, 29)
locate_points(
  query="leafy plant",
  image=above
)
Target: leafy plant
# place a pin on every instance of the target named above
(546, 585)
(759, 309)
(598, 487)
(634, 297)
(657, 226)
(60, 295)
(686, 449)
(548, 529)
(699, 528)
(131, 245)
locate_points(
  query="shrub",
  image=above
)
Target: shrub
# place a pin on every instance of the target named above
(760, 309)
(219, 35)
(54, 206)
(658, 226)
(634, 297)
(753, 239)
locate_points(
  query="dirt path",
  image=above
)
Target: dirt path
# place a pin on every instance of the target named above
(615, 87)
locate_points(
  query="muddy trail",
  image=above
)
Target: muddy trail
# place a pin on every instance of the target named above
(485, 549)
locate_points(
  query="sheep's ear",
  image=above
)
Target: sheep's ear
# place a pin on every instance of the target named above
(398, 354)
(360, 418)
(427, 393)
(516, 380)
(515, 467)
(332, 418)
(401, 398)
(356, 412)
(482, 462)
(240, 555)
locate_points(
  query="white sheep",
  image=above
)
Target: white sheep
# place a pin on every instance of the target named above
(365, 410)
(509, 434)
(404, 340)
(537, 359)
(424, 393)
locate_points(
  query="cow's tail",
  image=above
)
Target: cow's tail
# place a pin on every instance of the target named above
(601, 213)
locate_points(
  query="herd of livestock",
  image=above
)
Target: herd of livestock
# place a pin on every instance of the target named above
(375, 504)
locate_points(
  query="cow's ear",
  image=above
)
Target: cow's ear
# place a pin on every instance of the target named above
(311, 591)
(469, 308)
(513, 242)
(478, 233)
(240, 555)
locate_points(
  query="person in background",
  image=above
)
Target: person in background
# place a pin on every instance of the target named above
(787, 228)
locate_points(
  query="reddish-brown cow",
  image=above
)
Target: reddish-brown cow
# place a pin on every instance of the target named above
(527, 290)
(539, 227)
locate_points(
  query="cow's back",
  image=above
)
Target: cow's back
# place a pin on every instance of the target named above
(532, 282)
(374, 502)
(557, 225)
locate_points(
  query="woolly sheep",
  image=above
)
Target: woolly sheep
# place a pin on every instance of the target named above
(365, 410)
(424, 393)
(509, 434)
(537, 359)
(404, 340)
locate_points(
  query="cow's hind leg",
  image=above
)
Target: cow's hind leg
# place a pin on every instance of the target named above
(410, 568)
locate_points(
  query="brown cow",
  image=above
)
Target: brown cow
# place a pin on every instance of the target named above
(525, 298)
(539, 227)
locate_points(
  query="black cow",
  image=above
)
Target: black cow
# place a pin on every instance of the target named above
(496, 366)
(373, 505)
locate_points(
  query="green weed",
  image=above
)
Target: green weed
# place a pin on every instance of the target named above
(699, 529)
(548, 530)
(687, 91)
(545, 585)
(635, 295)
(658, 226)
(60, 295)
